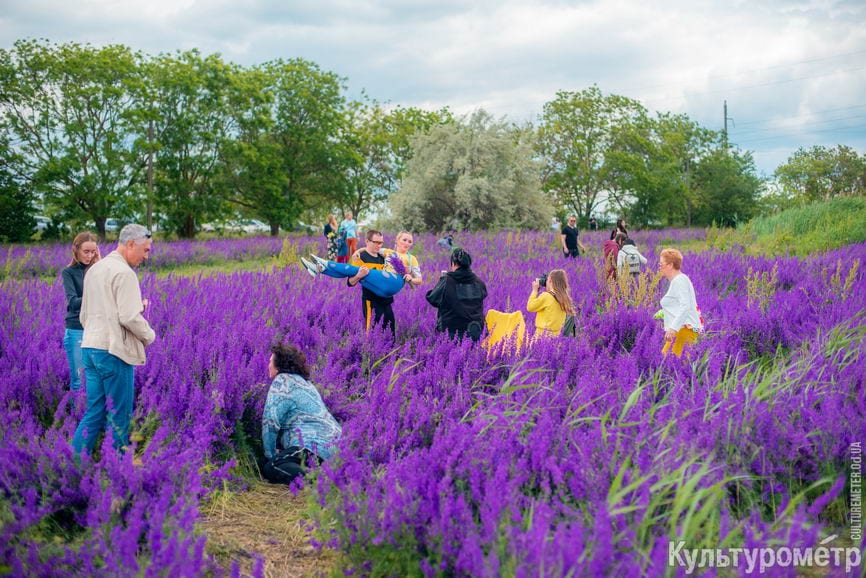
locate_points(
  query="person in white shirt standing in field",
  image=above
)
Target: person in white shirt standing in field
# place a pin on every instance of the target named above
(682, 317)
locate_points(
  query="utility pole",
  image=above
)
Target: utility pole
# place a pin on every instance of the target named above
(726, 119)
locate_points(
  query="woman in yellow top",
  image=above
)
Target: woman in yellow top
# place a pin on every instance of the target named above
(402, 245)
(553, 306)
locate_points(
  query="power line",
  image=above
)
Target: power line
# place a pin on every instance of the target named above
(775, 82)
(810, 60)
(816, 113)
(742, 72)
(799, 125)
(789, 134)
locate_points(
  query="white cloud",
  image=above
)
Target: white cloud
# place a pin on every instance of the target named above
(772, 60)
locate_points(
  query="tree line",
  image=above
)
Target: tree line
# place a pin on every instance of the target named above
(88, 133)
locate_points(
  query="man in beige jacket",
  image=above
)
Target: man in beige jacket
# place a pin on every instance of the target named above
(115, 335)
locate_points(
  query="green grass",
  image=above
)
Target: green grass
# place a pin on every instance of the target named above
(218, 268)
(800, 231)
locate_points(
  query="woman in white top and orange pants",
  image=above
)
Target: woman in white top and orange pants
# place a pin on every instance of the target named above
(682, 317)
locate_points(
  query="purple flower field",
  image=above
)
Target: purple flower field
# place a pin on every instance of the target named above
(22, 261)
(581, 457)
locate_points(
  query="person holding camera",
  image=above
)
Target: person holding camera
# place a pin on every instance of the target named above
(552, 306)
(459, 296)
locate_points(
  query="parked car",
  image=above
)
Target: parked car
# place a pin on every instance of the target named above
(251, 226)
(112, 225)
(302, 226)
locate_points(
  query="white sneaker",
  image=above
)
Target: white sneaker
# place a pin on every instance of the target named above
(321, 263)
(311, 269)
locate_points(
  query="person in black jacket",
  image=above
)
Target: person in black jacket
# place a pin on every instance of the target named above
(459, 296)
(85, 252)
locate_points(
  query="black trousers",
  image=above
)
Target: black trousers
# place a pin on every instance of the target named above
(286, 465)
(378, 314)
(473, 330)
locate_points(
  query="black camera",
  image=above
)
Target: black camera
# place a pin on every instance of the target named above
(542, 281)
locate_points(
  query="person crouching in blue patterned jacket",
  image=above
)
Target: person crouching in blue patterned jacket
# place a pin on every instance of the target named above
(297, 428)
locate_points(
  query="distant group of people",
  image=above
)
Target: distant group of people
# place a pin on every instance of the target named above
(342, 238)
(620, 252)
(381, 272)
(106, 332)
(459, 294)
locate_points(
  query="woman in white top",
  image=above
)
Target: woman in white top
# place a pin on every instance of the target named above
(681, 314)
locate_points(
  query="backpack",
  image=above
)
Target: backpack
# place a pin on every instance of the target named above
(633, 262)
(568, 327)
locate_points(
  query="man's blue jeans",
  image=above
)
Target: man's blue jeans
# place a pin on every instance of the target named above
(110, 393)
(72, 345)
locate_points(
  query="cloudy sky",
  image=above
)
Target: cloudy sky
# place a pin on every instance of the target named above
(793, 72)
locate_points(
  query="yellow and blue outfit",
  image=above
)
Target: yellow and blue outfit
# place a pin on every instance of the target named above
(409, 261)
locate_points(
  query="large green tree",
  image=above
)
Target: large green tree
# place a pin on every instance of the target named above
(727, 188)
(668, 195)
(820, 173)
(579, 136)
(253, 164)
(66, 109)
(379, 146)
(477, 173)
(186, 122)
(308, 135)
(291, 151)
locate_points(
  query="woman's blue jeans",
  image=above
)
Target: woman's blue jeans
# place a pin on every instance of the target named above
(382, 283)
(72, 345)
(110, 393)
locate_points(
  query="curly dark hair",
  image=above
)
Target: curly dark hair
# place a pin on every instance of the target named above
(290, 359)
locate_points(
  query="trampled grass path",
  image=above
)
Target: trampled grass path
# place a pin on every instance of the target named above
(264, 521)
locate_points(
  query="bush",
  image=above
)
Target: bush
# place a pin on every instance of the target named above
(812, 228)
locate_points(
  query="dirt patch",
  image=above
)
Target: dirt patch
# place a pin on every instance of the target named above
(266, 521)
